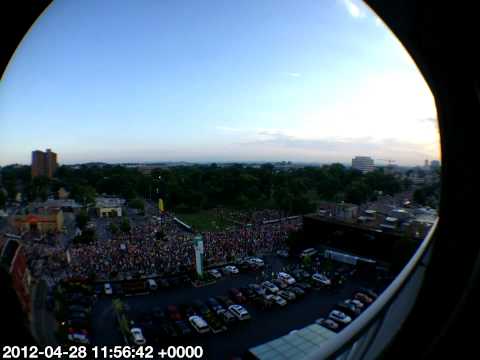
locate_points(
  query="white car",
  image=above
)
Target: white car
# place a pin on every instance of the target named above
(108, 289)
(200, 325)
(152, 284)
(339, 316)
(230, 269)
(239, 311)
(322, 279)
(355, 302)
(290, 280)
(279, 300)
(137, 336)
(308, 252)
(215, 273)
(255, 261)
(267, 285)
(78, 338)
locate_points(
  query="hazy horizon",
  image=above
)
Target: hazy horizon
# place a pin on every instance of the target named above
(305, 81)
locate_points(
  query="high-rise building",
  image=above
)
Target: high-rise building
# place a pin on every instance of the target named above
(363, 163)
(434, 164)
(44, 163)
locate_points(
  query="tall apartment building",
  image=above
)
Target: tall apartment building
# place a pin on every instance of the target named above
(363, 163)
(44, 163)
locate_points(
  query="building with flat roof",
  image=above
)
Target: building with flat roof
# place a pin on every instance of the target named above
(363, 163)
(42, 220)
(44, 163)
(109, 206)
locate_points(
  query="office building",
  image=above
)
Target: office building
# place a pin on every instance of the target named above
(44, 163)
(363, 163)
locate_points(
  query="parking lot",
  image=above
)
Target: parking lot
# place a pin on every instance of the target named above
(265, 324)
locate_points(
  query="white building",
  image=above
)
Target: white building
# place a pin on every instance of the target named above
(109, 206)
(363, 163)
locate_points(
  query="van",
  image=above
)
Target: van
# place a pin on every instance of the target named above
(152, 284)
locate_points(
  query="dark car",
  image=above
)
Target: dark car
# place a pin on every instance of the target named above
(173, 313)
(77, 315)
(183, 328)
(263, 302)
(200, 306)
(168, 330)
(214, 304)
(249, 293)
(304, 286)
(175, 281)
(163, 283)
(329, 324)
(225, 301)
(158, 313)
(297, 291)
(187, 310)
(77, 324)
(117, 289)
(348, 309)
(257, 288)
(226, 316)
(237, 295)
(369, 292)
(78, 308)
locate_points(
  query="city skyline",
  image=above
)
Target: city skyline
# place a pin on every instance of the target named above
(248, 82)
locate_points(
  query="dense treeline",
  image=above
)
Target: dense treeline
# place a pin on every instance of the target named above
(191, 188)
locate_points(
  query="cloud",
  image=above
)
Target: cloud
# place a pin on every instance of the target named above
(294, 74)
(353, 8)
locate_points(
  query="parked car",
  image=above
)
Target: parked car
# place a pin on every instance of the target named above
(280, 283)
(290, 280)
(230, 269)
(108, 289)
(269, 286)
(239, 312)
(355, 302)
(339, 316)
(365, 299)
(279, 300)
(152, 285)
(183, 328)
(225, 300)
(348, 309)
(78, 308)
(137, 336)
(257, 288)
(199, 324)
(304, 286)
(321, 279)
(255, 261)
(158, 313)
(79, 338)
(237, 295)
(173, 313)
(287, 295)
(214, 273)
(248, 293)
(226, 316)
(297, 291)
(329, 324)
(214, 304)
(308, 253)
(163, 283)
(282, 253)
(369, 292)
(77, 315)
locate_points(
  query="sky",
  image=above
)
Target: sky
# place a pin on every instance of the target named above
(214, 80)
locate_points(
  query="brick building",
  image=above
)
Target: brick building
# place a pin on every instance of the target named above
(44, 163)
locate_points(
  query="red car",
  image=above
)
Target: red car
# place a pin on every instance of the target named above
(173, 313)
(237, 295)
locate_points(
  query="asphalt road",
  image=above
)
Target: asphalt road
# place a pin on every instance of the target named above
(264, 326)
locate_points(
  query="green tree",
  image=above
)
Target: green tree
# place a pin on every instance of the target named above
(82, 219)
(125, 225)
(3, 198)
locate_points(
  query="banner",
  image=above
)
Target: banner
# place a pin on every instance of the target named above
(160, 205)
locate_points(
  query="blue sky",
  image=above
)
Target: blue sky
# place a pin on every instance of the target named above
(214, 80)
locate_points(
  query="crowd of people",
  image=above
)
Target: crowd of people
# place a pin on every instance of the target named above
(158, 246)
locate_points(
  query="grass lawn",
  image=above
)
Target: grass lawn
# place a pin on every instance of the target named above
(205, 220)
